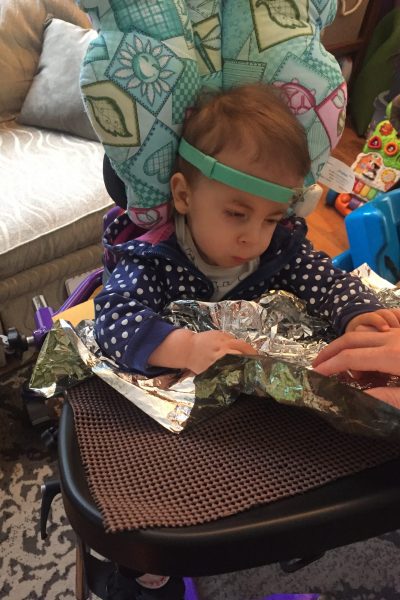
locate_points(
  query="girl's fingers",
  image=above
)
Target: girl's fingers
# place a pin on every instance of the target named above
(376, 320)
(370, 328)
(391, 318)
(396, 312)
(243, 347)
(382, 319)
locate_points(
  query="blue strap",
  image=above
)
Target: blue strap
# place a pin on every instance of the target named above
(213, 169)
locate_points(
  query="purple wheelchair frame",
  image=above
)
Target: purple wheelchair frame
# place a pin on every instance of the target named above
(44, 314)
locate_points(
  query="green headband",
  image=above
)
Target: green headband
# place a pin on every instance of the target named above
(213, 169)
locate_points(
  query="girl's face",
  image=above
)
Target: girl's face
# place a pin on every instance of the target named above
(228, 226)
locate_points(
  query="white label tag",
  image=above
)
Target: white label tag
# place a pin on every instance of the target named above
(338, 176)
(72, 283)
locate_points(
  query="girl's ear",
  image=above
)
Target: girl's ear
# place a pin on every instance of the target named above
(180, 193)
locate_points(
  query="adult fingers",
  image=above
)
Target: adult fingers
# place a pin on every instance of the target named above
(353, 339)
(354, 359)
(390, 395)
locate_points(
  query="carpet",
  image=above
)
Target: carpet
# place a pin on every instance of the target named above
(33, 569)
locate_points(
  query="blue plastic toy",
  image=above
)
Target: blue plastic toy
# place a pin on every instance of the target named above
(373, 231)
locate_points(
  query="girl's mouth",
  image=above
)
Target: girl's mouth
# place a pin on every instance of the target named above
(239, 260)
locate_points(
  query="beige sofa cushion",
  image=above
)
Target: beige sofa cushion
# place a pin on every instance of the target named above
(52, 196)
(21, 35)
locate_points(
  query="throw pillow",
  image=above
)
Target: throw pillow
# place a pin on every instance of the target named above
(54, 99)
(21, 39)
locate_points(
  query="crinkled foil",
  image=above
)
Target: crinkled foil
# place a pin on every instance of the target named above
(388, 293)
(344, 407)
(277, 324)
(63, 361)
(287, 338)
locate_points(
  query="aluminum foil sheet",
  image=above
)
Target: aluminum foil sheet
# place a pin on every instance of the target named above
(63, 360)
(388, 293)
(276, 325)
(286, 337)
(344, 407)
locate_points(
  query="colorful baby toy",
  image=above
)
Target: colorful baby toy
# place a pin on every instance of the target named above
(152, 56)
(377, 167)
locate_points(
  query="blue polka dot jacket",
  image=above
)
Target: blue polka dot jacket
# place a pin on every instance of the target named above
(146, 273)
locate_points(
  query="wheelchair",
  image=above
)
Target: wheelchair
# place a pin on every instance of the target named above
(292, 531)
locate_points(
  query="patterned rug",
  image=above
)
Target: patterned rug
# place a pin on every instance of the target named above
(29, 567)
(32, 569)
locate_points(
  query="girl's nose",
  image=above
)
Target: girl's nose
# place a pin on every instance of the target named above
(250, 235)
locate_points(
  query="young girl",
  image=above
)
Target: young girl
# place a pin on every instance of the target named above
(243, 160)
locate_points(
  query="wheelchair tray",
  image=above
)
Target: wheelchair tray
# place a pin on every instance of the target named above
(256, 484)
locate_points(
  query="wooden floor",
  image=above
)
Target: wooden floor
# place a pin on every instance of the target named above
(326, 228)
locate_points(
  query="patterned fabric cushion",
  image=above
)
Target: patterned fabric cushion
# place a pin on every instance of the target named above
(151, 57)
(138, 77)
(278, 41)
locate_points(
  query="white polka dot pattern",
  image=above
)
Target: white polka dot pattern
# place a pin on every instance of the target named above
(147, 277)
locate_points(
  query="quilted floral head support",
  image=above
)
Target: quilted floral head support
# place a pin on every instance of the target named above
(150, 59)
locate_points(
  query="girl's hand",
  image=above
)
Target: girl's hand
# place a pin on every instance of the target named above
(184, 349)
(209, 346)
(379, 320)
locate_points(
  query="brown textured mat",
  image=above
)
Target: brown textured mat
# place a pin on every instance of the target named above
(255, 452)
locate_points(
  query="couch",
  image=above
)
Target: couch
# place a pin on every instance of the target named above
(52, 195)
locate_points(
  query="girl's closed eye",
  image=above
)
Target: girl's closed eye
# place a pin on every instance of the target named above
(234, 213)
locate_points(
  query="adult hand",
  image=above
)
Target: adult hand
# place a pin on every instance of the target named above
(364, 351)
(378, 320)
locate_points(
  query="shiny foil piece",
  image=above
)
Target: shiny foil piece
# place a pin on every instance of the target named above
(63, 361)
(287, 338)
(277, 325)
(344, 407)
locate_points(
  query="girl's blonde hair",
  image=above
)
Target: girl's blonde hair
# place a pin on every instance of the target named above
(253, 113)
